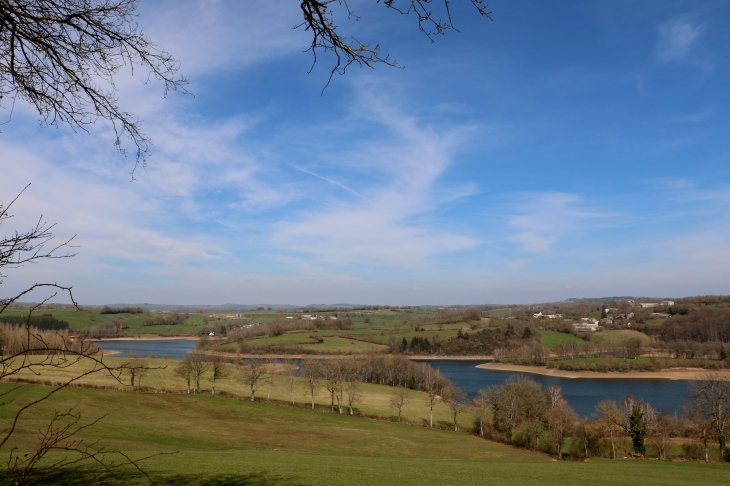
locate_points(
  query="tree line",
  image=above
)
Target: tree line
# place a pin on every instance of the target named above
(122, 310)
(45, 322)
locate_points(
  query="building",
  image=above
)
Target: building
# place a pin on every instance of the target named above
(586, 326)
(668, 302)
(649, 304)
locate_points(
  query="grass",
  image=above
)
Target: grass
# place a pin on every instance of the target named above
(227, 442)
(342, 345)
(84, 319)
(374, 399)
(550, 339)
(620, 335)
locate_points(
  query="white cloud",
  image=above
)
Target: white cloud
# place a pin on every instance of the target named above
(539, 221)
(677, 38)
(380, 229)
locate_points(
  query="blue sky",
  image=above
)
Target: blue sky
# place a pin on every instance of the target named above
(568, 150)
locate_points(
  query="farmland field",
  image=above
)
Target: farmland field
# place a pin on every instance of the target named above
(222, 441)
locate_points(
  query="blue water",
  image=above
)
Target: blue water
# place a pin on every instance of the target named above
(581, 393)
(172, 348)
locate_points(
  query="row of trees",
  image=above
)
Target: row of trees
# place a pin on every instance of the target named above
(121, 310)
(524, 414)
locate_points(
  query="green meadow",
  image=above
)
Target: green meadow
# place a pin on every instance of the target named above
(222, 441)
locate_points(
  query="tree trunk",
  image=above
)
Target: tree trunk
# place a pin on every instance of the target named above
(252, 393)
(560, 449)
(212, 388)
(613, 447)
(312, 399)
(722, 445)
(431, 415)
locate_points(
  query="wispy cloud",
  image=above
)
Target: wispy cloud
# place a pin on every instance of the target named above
(540, 221)
(382, 228)
(677, 38)
(332, 181)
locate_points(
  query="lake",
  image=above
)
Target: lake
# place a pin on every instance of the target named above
(582, 393)
(172, 348)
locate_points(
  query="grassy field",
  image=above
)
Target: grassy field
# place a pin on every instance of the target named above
(373, 399)
(231, 442)
(620, 335)
(550, 339)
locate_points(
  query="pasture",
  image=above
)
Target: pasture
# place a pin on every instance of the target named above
(211, 440)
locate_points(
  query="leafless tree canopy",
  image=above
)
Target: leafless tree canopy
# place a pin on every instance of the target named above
(54, 53)
(319, 21)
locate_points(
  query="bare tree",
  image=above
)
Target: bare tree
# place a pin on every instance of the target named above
(454, 397)
(481, 406)
(220, 370)
(560, 420)
(712, 397)
(290, 372)
(54, 54)
(185, 370)
(555, 393)
(32, 246)
(312, 377)
(199, 366)
(701, 424)
(28, 349)
(252, 372)
(350, 384)
(519, 401)
(399, 400)
(136, 368)
(612, 420)
(432, 387)
(332, 381)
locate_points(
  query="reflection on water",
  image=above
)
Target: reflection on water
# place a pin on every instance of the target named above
(582, 393)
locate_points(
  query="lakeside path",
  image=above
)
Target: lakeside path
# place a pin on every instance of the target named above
(668, 374)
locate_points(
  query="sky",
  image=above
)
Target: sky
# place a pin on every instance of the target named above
(577, 149)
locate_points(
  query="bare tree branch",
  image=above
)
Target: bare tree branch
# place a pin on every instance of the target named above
(318, 20)
(53, 53)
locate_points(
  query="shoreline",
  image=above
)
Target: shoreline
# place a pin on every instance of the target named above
(668, 374)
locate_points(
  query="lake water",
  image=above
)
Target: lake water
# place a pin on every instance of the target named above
(172, 348)
(582, 393)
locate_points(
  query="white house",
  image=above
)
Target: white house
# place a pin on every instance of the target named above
(648, 304)
(667, 302)
(586, 326)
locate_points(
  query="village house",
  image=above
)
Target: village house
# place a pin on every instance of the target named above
(586, 326)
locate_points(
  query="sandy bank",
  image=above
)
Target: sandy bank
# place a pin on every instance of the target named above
(668, 374)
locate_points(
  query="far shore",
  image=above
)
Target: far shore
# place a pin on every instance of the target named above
(668, 374)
